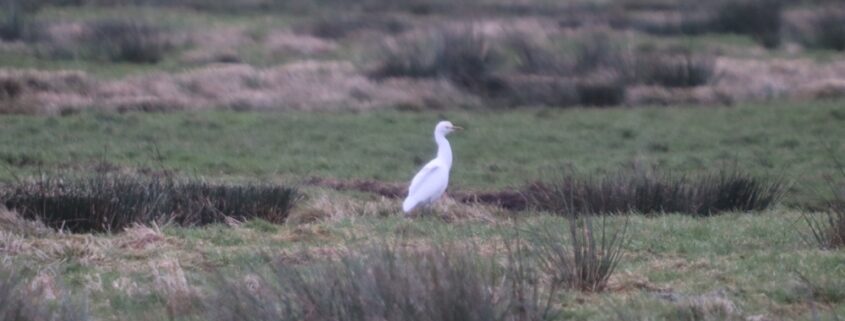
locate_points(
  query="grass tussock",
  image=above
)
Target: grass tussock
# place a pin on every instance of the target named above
(18, 88)
(465, 56)
(42, 300)
(129, 40)
(598, 52)
(606, 89)
(538, 75)
(827, 229)
(16, 19)
(831, 31)
(674, 68)
(112, 203)
(605, 70)
(825, 30)
(818, 289)
(112, 40)
(652, 193)
(538, 90)
(13, 23)
(536, 57)
(336, 27)
(667, 67)
(13, 223)
(387, 282)
(760, 19)
(587, 258)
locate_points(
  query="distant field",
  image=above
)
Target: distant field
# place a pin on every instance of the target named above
(173, 20)
(249, 45)
(428, 54)
(255, 150)
(795, 142)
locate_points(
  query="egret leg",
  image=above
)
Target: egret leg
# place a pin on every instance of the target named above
(410, 213)
(427, 210)
(421, 211)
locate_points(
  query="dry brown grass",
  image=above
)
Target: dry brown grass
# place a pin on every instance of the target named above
(450, 210)
(709, 306)
(662, 22)
(284, 42)
(127, 39)
(61, 39)
(336, 85)
(743, 80)
(747, 79)
(224, 44)
(141, 237)
(35, 91)
(322, 206)
(503, 27)
(308, 85)
(311, 85)
(11, 222)
(169, 280)
(32, 241)
(38, 297)
(326, 205)
(661, 96)
(215, 45)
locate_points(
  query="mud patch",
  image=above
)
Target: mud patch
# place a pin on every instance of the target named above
(389, 190)
(508, 199)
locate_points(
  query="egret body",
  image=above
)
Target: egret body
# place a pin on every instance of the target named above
(431, 181)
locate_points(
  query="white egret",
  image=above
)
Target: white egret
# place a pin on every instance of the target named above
(431, 181)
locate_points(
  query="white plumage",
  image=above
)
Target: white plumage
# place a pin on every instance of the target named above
(431, 181)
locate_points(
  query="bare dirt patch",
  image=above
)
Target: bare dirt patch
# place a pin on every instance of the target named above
(507, 199)
(390, 190)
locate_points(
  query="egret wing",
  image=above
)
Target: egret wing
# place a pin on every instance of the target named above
(427, 171)
(428, 184)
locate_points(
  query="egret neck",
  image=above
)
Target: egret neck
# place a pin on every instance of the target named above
(444, 150)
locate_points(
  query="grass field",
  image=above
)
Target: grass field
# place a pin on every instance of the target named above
(731, 266)
(246, 160)
(796, 142)
(751, 264)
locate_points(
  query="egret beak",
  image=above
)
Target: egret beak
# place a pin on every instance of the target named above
(457, 128)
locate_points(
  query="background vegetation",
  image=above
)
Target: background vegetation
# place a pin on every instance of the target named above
(220, 160)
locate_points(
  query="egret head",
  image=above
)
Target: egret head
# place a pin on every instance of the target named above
(445, 127)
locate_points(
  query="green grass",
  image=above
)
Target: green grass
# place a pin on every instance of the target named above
(754, 259)
(498, 149)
